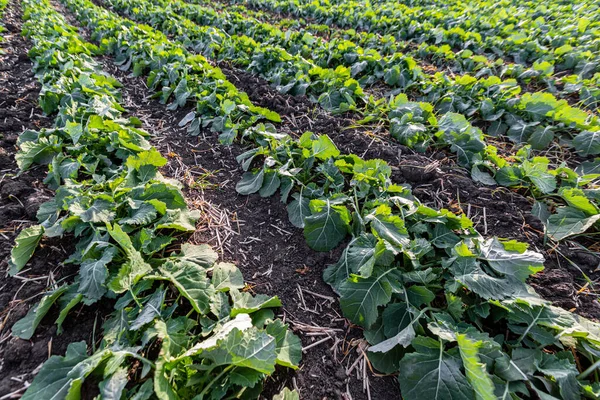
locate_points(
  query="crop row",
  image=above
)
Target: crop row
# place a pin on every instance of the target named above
(430, 292)
(417, 125)
(355, 49)
(397, 71)
(571, 44)
(182, 322)
(491, 99)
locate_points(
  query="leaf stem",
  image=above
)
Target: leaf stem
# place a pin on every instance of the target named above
(205, 390)
(588, 371)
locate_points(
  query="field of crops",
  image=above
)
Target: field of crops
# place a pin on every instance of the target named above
(326, 199)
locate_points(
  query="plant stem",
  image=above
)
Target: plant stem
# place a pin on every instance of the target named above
(588, 371)
(205, 390)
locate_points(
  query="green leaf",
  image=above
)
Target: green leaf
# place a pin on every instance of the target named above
(360, 297)
(323, 148)
(482, 177)
(537, 172)
(133, 269)
(587, 143)
(270, 184)
(569, 221)
(93, 274)
(541, 137)
(468, 272)
(151, 157)
(227, 276)
(389, 227)
(289, 346)
(298, 209)
(150, 310)
(66, 303)
(180, 220)
(191, 281)
(244, 302)
(402, 338)
(143, 215)
(432, 373)
(202, 255)
(25, 245)
(100, 211)
(358, 258)
(250, 183)
(576, 198)
(511, 263)
(327, 225)
(26, 326)
(475, 370)
(39, 152)
(249, 348)
(54, 380)
(112, 387)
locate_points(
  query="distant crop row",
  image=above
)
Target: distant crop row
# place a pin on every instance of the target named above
(526, 32)
(355, 46)
(182, 323)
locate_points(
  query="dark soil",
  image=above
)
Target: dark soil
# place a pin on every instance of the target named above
(20, 197)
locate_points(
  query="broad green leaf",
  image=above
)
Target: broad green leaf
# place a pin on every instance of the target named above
(202, 255)
(151, 310)
(358, 258)
(327, 225)
(360, 297)
(93, 274)
(26, 326)
(432, 373)
(100, 211)
(143, 215)
(289, 346)
(244, 302)
(39, 152)
(133, 269)
(298, 209)
(323, 148)
(475, 370)
(569, 221)
(227, 276)
(66, 303)
(191, 281)
(180, 220)
(53, 381)
(270, 184)
(481, 176)
(468, 272)
(511, 263)
(250, 183)
(25, 244)
(249, 348)
(587, 143)
(576, 198)
(112, 387)
(541, 137)
(389, 227)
